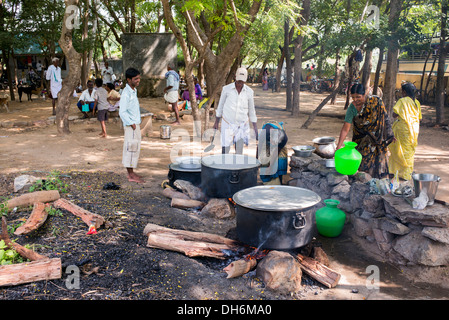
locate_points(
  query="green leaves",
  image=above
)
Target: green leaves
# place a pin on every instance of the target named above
(8, 256)
(52, 182)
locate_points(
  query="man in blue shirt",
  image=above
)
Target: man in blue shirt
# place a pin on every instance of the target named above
(129, 112)
(171, 94)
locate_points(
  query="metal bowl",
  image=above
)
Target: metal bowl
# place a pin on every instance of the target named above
(303, 151)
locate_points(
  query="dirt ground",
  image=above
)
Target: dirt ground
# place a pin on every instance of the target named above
(124, 268)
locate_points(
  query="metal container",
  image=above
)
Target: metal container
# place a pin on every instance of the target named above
(276, 217)
(176, 172)
(325, 147)
(225, 174)
(330, 163)
(165, 131)
(428, 183)
(303, 151)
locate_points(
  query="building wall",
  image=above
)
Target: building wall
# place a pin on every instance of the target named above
(149, 53)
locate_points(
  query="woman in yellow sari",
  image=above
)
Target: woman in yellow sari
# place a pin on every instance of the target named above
(406, 130)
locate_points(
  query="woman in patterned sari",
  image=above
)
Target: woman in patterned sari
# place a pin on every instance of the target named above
(371, 131)
(406, 130)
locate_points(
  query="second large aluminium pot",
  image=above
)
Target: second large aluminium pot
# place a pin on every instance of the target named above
(276, 217)
(224, 174)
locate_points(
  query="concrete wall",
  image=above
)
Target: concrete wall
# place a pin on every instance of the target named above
(149, 53)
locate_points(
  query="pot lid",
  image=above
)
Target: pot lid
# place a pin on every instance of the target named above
(188, 162)
(177, 167)
(230, 162)
(276, 198)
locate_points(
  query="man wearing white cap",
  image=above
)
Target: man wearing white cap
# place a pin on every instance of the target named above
(54, 75)
(236, 110)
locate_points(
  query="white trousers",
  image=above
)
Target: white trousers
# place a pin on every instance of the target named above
(131, 147)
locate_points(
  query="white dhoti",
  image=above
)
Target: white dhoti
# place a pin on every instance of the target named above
(55, 87)
(131, 147)
(171, 96)
(231, 133)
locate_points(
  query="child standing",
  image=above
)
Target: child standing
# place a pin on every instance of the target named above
(101, 105)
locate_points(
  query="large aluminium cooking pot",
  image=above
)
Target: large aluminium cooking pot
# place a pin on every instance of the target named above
(224, 174)
(276, 217)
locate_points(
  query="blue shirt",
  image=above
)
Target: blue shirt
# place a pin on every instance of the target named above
(129, 110)
(173, 81)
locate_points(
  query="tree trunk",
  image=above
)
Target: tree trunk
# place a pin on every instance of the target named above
(288, 63)
(441, 66)
(84, 37)
(321, 105)
(337, 75)
(430, 76)
(378, 68)
(10, 73)
(279, 71)
(305, 12)
(421, 85)
(366, 69)
(70, 82)
(392, 56)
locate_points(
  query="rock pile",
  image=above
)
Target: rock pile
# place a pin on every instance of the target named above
(404, 236)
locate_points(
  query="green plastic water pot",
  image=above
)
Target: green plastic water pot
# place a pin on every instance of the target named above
(347, 159)
(330, 219)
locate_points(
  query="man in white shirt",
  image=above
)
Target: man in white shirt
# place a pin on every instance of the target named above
(54, 75)
(87, 97)
(106, 73)
(235, 110)
(129, 112)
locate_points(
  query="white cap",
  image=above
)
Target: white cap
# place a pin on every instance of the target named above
(241, 74)
(55, 59)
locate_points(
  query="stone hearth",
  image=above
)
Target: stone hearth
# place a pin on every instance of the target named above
(404, 236)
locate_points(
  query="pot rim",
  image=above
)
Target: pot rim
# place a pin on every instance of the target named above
(230, 161)
(316, 140)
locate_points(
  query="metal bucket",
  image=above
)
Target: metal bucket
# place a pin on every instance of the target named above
(165, 132)
(427, 182)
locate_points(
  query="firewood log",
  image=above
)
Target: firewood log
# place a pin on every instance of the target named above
(186, 203)
(192, 244)
(89, 218)
(240, 267)
(40, 267)
(318, 271)
(15, 274)
(37, 218)
(172, 193)
(189, 235)
(24, 252)
(28, 199)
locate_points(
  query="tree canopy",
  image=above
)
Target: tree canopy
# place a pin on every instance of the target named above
(220, 35)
